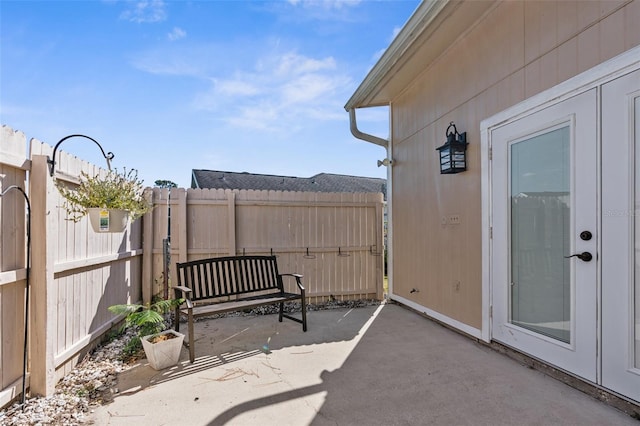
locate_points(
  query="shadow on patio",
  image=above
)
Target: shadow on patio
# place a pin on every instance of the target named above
(376, 365)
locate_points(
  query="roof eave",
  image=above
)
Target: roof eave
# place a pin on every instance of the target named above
(415, 26)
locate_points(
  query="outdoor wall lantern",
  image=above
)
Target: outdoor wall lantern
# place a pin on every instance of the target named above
(453, 154)
(52, 162)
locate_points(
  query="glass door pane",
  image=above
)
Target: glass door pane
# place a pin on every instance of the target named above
(540, 275)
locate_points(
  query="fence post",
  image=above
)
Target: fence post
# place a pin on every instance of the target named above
(231, 229)
(44, 229)
(181, 218)
(379, 206)
(147, 251)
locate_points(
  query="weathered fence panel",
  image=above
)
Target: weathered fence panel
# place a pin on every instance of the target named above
(334, 239)
(13, 171)
(77, 273)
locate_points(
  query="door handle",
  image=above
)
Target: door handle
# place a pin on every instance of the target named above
(585, 256)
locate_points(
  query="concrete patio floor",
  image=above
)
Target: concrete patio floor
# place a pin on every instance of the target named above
(378, 365)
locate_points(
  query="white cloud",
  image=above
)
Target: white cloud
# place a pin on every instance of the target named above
(281, 91)
(198, 61)
(169, 66)
(176, 34)
(394, 34)
(325, 4)
(307, 88)
(317, 10)
(273, 93)
(294, 64)
(378, 54)
(259, 117)
(236, 87)
(145, 11)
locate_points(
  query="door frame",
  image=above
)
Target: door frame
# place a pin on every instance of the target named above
(593, 78)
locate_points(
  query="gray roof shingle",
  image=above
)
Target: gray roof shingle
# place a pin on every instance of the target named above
(323, 182)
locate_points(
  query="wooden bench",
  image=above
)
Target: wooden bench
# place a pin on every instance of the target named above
(225, 284)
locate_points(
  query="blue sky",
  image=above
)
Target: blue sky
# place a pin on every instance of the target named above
(171, 86)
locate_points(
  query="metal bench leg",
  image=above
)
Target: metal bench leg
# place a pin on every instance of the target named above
(192, 355)
(281, 311)
(304, 314)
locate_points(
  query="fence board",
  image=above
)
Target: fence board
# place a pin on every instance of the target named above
(13, 165)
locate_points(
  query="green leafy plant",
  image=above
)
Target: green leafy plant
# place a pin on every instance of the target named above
(146, 319)
(113, 191)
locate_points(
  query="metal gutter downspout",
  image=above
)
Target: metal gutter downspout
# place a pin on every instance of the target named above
(386, 143)
(364, 136)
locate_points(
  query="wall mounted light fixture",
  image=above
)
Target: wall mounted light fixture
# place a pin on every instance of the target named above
(52, 162)
(386, 162)
(453, 154)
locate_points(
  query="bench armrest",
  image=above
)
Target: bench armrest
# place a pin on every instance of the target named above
(186, 292)
(298, 278)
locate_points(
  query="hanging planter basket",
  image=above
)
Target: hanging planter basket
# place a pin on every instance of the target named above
(108, 220)
(110, 200)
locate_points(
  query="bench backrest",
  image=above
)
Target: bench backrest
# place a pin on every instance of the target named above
(229, 276)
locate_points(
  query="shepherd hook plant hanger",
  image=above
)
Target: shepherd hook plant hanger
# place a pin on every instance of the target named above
(52, 162)
(26, 302)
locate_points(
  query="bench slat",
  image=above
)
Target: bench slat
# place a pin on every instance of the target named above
(237, 305)
(229, 277)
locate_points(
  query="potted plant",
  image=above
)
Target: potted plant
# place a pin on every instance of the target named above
(162, 346)
(109, 200)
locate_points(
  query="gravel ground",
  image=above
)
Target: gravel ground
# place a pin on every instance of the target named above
(89, 384)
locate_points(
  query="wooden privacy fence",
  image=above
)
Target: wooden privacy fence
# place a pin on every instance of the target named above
(75, 273)
(334, 239)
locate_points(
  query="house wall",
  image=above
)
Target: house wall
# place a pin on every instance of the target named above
(516, 50)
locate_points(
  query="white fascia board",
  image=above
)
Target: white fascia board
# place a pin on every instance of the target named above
(417, 23)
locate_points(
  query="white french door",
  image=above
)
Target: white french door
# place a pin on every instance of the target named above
(621, 235)
(564, 205)
(545, 226)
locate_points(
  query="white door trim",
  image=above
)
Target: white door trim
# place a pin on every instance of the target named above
(600, 74)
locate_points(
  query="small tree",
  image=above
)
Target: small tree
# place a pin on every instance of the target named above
(161, 183)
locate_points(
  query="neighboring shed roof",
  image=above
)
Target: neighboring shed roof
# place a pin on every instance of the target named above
(323, 182)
